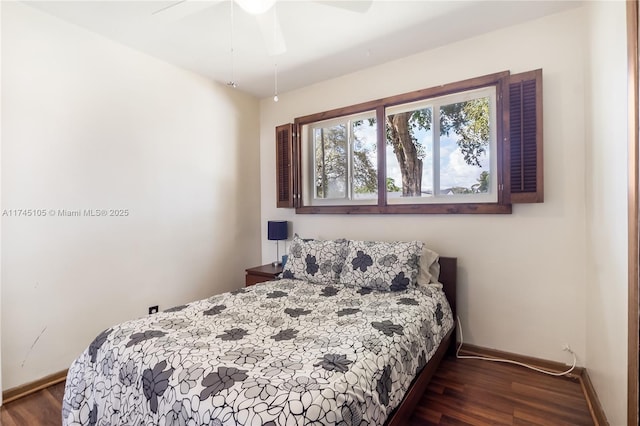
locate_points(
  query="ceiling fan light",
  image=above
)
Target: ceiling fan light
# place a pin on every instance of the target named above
(256, 7)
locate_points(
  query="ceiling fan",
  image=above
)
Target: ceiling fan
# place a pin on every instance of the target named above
(263, 11)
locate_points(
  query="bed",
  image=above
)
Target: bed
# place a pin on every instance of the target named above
(287, 352)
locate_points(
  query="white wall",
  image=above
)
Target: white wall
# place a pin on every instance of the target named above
(90, 124)
(606, 180)
(0, 210)
(521, 276)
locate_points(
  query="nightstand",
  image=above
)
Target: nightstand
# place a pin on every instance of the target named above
(259, 274)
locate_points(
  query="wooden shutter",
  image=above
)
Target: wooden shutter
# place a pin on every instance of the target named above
(525, 137)
(284, 166)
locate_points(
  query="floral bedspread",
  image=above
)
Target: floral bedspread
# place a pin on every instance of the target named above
(279, 353)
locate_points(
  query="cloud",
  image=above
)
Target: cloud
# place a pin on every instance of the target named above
(454, 171)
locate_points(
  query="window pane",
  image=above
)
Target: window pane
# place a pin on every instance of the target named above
(464, 148)
(330, 158)
(365, 159)
(409, 160)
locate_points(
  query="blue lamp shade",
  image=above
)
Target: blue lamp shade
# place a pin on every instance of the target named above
(277, 230)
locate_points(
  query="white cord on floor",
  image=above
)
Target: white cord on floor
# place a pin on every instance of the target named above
(508, 361)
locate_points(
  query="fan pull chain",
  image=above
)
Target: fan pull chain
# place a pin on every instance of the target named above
(275, 97)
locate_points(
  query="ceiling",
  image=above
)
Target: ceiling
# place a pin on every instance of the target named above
(323, 39)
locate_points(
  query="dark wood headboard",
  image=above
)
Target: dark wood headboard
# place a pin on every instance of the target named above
(449, 278)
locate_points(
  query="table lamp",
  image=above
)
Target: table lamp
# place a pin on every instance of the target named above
(277, 230)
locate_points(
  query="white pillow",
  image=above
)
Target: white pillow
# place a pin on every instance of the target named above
(429, 267)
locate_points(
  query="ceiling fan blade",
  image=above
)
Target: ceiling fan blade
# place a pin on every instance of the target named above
(271, 32)
(360, 6)
(181, 9)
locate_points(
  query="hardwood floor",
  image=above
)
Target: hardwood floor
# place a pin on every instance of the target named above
(43, 408)
(473, 392)
(462, 392)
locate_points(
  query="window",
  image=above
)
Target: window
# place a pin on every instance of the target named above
(464, 147)
(440, 150)
(340, 157)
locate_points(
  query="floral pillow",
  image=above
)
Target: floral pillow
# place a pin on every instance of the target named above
(317, 261)
(386, 266)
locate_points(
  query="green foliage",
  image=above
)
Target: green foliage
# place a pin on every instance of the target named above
(391, 185)
(365, 176)
(460, 190)
(483, 183)
(420, 120)
(470, 121)
(330, 158)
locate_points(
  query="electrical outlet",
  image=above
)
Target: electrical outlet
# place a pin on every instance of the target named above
(566, 348)
(153, 310)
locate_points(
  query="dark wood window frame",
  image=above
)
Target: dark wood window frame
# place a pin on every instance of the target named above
(528, 132)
